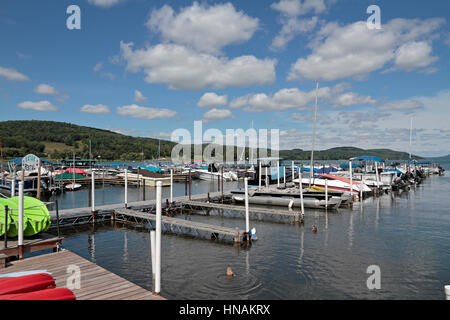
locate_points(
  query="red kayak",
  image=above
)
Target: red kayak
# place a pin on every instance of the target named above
(34, 282)
(47, 294)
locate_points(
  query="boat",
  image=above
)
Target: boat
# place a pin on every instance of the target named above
(22, 273)
(46, 294)
(24, 284)
(285, 201)
(73, 187)
(334, 182)
(36, 217)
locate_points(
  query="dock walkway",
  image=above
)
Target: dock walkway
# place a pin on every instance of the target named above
(96, 283)
(259, 212)
(177, 225)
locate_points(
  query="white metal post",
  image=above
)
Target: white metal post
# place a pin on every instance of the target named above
(158, 238)
(293, 175)
(171, 185)
(350, 168)
(260, 174)
(376, 172)
(278, 174)
(153, 254)
(126, 188)
(326, 194)
(247, 222)
(93, 191)
(447, 292)
(301, 191)
(267, 179)
(284, 175)
(13, 188)
(361, 188)
(20, 240)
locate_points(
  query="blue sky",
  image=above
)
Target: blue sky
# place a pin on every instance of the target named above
(146, 68)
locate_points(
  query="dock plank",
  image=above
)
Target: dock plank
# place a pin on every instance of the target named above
(96, 282)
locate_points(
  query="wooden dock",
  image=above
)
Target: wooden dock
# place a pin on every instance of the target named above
(32, 244)
(177, 225)
(96, 283)
(258, 213)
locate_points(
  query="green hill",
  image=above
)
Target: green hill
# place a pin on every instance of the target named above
(344, 153)
(58, 140)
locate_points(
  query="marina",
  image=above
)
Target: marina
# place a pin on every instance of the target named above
(224, 150)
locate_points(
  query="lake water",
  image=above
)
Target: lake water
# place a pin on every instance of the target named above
(406, 234)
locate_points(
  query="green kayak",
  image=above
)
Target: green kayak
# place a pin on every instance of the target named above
(36, 216)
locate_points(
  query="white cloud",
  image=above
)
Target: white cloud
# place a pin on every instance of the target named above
(290, 11)
(298, 7)
(211, 99)
(204, 28)
(104, 3)
(413, 55)
(98, 66)
(139, 97)
(355, 51)
(96, 109)
(216, 114)
(46, 89)
(139, 112)
(284, 99)
(38, 106)
(351, 98)
(182, 68)
(126, 132)
(291, 27)
(403, 105)
(12, 74)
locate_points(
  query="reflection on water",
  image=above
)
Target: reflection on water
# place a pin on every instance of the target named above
(406, 234)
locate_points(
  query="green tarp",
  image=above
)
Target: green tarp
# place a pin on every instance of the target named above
(68, 176)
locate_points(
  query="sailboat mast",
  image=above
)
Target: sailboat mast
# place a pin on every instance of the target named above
(311, 167)
(410, 137)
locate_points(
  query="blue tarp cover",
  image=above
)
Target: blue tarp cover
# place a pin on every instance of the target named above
(367, 158)
(18, 161)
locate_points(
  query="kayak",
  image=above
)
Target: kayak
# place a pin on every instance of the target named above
(46, 294)
(25, 284)
(22, 273)
(36, 216)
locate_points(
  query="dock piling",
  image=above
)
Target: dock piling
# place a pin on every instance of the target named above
(247, 222)
(326, 194)
(5, 226)
(260, 174)
(158, 239)
(13, 188)
(93, 192)
(20, 238)
(350, 168)
(301, 193)
(153, 255)
(171, 185)
(57, 217)
(278, 174)
(126, 188)
(447, 292)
